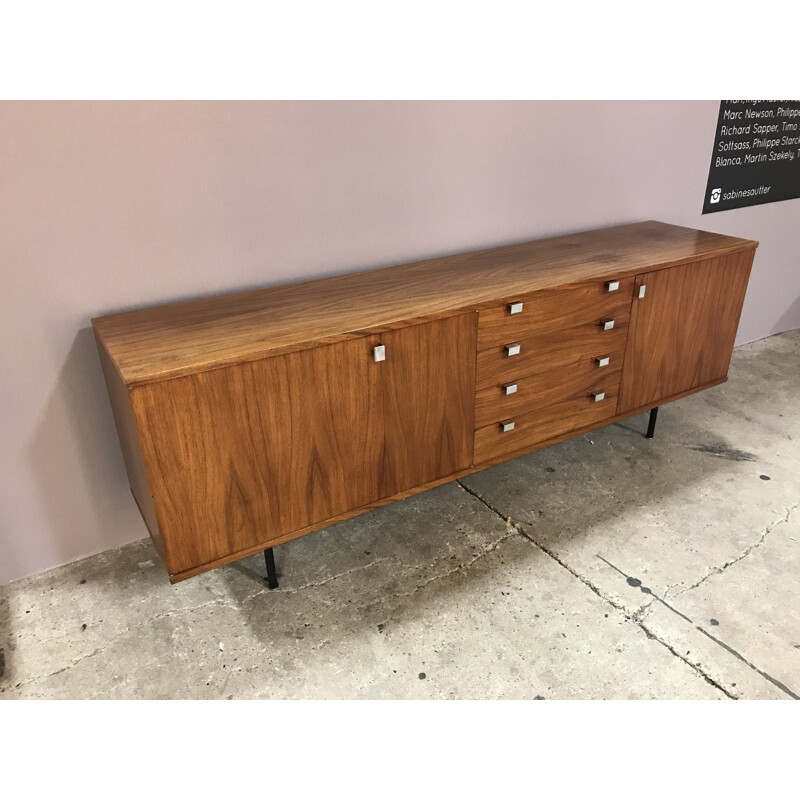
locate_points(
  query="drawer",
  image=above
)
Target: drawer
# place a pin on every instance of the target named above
(575, 347)
(555, 308)
(533, 428)
(540, 390)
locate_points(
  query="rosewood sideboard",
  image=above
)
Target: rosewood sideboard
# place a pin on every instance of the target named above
(249, 419)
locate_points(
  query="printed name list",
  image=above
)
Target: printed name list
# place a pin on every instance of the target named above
(756, 156)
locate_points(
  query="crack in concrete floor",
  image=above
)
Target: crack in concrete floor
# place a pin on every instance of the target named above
(718, 570)
(638, 616)
(220, 600)
(515, 529)
(224, 600)
(604, 596)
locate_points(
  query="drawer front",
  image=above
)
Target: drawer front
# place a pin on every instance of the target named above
(555, 308)
(493, 443)
(539, 391)
(573, 348)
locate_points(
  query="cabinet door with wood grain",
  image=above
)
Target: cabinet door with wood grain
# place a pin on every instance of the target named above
(244, 454)
(682, 328)
(428, 385)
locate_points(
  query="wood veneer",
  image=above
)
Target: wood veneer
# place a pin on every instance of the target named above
(229, 471)
(428, 401)
(556, 349)
(683, 329)
(247, 420)
(534, 427)
(131, 448)
(555, 308)
(241, 455)
(540, 391)
(196, 335)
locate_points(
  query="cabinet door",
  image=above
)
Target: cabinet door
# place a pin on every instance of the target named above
(428, 386)
(682, 330)
(241, 455)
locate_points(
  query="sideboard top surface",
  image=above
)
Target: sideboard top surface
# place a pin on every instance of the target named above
(196, 335)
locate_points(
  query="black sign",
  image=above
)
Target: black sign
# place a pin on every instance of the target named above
(756, 156)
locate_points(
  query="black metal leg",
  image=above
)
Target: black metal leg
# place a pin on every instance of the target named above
(651, 425)
(272, 575)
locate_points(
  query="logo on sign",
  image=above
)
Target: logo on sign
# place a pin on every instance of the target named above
(715, 195)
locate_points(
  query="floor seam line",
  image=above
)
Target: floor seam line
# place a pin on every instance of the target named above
(631, 618)
(774, 681)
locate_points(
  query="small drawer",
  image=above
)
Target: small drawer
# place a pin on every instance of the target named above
(554, 308)
(574, 348)
(536, 428)
(542, 389)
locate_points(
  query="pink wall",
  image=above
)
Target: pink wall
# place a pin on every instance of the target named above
(109, 206)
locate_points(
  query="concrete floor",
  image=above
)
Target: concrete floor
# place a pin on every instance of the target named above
(608, 566)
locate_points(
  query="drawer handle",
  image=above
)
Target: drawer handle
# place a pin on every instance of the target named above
(602, 361)
(598, 396)
(507, 425)
(513, 349)
(642, 290)
(606, 324)
(379, 352)
(612, 286)
(509, 388)
(515, 308)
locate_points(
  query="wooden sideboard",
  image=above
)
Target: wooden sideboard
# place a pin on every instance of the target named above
(249, 419)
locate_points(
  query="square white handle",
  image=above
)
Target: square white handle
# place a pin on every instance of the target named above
(380, 352)
(509, 388)
(507, 426)
(512, 349)
(612, 286)
(515, 308)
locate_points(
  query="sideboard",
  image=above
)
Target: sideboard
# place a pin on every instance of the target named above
(252, 418)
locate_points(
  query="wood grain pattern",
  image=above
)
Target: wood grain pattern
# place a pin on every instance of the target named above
(682, 331)
(524, 450)
(547, 423)
(540, 390)
(251, 419)
(553, 309)
(131, 449)
(184, 338)
(241, 455)
(556, 349)
(428, 384)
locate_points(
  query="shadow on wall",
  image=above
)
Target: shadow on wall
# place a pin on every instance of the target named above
(790, 319)
(77, 463)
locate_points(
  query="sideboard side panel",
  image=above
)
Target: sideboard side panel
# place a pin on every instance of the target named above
(131, 448)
